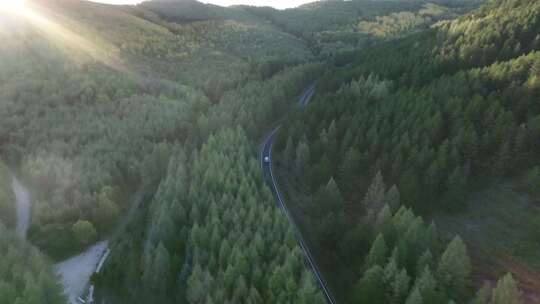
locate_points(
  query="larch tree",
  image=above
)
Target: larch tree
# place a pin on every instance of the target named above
(378, 253)
(455, 268)
(506, 291)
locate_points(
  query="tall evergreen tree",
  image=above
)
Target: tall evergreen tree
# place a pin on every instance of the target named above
(455, 268)
(506, 291)
(378, 252)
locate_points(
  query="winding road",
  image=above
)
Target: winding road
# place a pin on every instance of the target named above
(268, 175)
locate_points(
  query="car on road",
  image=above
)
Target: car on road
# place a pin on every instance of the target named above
(267, 159)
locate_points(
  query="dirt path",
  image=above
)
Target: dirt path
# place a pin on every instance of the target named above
(76, 271)
(23, 208)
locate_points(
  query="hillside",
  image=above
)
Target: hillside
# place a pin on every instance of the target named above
(440, 115)
(141, 124)
(335, 28)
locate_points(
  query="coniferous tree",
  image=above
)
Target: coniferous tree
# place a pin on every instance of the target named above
(506, 291)
(392, 198)
(302, 156)
(378, 252)
(370, 288)
(375, 196)
(454, 268)
(414, 297)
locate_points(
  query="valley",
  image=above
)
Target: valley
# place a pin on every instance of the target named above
(399, 161)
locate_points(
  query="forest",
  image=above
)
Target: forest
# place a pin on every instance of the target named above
(26, 276)
(418, 104)
(437, 114)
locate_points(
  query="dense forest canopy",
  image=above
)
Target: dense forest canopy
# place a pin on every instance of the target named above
(437, 114)
(140, 124)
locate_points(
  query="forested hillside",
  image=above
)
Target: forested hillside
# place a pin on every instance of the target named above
(122, 88)
(335, 28)
(167, 102)
(25, 274)
(214, 236)
(438, 114)
(108, 101)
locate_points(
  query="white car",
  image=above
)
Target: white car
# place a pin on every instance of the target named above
(267, 159)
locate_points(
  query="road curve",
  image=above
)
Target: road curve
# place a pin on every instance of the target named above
(268, 175)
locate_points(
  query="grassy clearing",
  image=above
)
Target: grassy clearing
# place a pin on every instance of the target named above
(502, 229)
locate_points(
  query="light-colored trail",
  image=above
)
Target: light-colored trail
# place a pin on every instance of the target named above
(22, 196)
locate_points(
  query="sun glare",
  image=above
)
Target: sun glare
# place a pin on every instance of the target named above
(12, 6)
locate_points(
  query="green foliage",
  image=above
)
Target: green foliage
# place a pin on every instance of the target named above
(84, 232)
(533, 179)
(83, 118)
(231, 233)
(430, 122)
(375, 196)
(26, 276)
(338, 27)
(506, 291)
(168, 95)
(456, 189)
(454, 268)
(7, 198)
(371, 287)
(378, 253)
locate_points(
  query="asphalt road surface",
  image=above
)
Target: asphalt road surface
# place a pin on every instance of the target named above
(266, 166)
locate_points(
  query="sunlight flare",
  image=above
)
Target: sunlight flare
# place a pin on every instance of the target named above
(12, 6)
(60, 31)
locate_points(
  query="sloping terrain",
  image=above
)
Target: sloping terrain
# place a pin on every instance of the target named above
(338, 27)
(169, 100)
(437, 114)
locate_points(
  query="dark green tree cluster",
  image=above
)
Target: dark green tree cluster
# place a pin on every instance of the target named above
(215, 234)
(26, 276)
(431, 123)
(404, 264)
(430, 141)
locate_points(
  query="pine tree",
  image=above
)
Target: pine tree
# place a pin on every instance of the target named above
(455, 267)
(378, 253)
(414, 297)
(426, 283)
(288, 153)
(374, 198)
(383, 219)
(349, 169)
(400, 286)
(302, 156)
(161, 270)
(392, 199)
(424, 261)
(506, 291)
(309, 292)
(195, 287)
(371, 289)
(483, 295)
